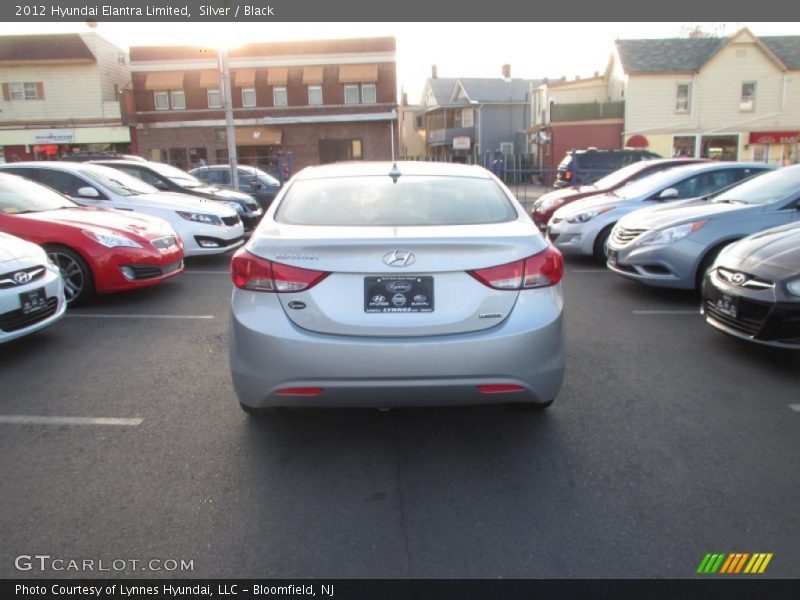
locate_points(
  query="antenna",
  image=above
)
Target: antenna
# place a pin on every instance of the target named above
(395, 173)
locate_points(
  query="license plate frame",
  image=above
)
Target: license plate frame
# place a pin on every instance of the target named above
(33, 300)
(727, 304)
(398, 294)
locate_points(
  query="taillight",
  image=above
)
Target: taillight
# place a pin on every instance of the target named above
(499, 388)
(250, 272)
(540, 270)
(568, 175)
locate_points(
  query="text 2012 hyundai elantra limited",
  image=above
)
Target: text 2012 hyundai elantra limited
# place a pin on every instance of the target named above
(372, 284)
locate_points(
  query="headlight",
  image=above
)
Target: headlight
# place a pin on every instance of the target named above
(551, 204)
(111, 240)
(670, 235)
(794, 287)
(587, 215)
(235, 206)
(200, 218)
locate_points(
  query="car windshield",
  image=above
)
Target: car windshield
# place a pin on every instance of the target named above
(116, 181)
(181, 178)
(764, 189)
(18, 196)
(620, 175)
(263, 177)
(648, 185)
(379, 201)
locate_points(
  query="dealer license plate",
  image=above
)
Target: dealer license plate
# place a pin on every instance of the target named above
(398, 294)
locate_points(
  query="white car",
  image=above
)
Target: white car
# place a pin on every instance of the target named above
(31, 289)
(204, 226)
(584, 227)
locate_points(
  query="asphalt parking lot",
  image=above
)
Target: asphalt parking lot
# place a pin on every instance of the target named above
(668, 441)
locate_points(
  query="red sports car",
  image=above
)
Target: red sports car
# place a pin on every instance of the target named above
(546, 205)
(99, 251)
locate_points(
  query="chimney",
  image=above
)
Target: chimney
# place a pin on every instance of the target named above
(433, 72)
(506, 72)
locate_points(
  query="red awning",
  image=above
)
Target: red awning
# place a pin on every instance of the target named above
(774, 137)
(637, 141)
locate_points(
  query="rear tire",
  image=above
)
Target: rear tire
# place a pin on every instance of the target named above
(77, 276)
(601, 244)
(252, 411)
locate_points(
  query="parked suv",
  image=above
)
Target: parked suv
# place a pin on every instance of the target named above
(581, 167)
(259, 184)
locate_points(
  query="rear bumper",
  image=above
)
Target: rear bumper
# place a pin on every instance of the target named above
(269, 353)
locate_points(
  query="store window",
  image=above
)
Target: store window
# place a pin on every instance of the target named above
(177, 158)
(336, 150)
(720, 147)
(683, 145)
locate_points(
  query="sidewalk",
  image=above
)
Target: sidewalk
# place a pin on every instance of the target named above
(527, 193)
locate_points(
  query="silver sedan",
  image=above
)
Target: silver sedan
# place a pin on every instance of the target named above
(372, 284)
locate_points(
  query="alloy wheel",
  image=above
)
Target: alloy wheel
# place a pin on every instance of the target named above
(71, 272)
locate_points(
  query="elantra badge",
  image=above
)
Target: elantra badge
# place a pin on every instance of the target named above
(399, 258)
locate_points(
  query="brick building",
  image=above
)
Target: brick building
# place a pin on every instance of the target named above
(322, 101)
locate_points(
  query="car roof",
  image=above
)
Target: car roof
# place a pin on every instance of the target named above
(377, 168)
(114, 161)
(716, 164)
(51, 164)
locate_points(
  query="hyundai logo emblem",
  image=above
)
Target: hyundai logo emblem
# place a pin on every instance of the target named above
(399, 258)
(21, 277)
(738, 278)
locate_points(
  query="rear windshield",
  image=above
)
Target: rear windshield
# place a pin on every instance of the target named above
(412, 201)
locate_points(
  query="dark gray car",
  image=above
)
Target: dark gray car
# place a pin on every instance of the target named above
(673, 245)
(259, 184)
(753, 289)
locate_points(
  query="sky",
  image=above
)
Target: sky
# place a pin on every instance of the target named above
(534, 50)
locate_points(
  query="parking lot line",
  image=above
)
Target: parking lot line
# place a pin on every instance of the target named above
(39, 420)
(591, 271)
(136, 316)
(795, 407)
(206, 272)
(667, 312)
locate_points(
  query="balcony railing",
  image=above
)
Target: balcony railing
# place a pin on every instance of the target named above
(445, 136)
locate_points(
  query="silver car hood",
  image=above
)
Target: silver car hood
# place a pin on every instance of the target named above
(13, 248)
(656, 217)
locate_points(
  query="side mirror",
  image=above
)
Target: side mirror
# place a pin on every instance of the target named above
(255, 185)
(668, 194)
(88, 192)
(160, 185)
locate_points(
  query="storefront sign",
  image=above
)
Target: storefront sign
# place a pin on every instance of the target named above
(462, 142)
(775, 137)
(54, 136)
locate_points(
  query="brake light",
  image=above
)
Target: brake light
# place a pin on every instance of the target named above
(300, 391)
(568, 175)
(250, 272)
(540, 270)
(499, 388)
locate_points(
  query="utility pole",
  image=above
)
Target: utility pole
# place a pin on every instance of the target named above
(230, 133)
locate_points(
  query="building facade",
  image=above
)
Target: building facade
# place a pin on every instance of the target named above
(317, 101)
(467, 118)
(570, 115)
(61, 94)
(734, 98)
